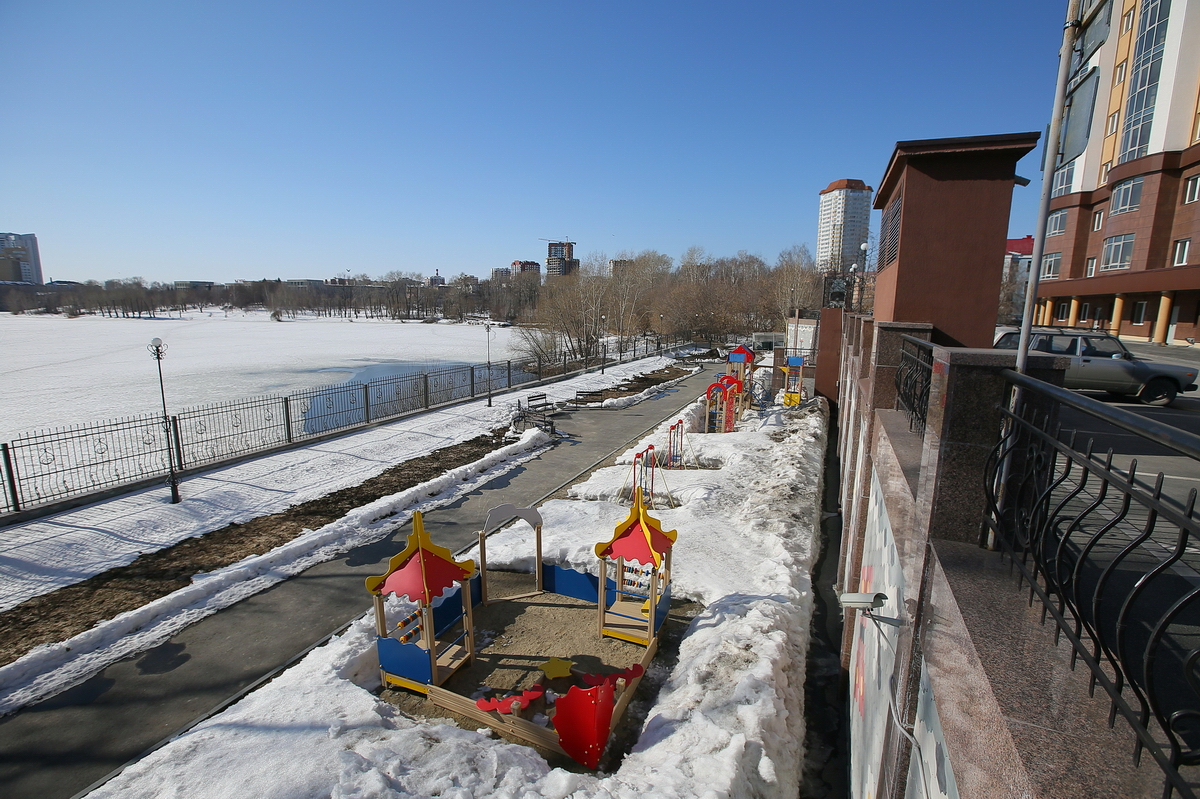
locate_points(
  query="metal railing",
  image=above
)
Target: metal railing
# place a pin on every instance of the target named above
(913, 377)
(1113, 558)
(65, 463)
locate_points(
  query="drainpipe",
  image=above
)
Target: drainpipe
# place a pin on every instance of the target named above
(1050, 164)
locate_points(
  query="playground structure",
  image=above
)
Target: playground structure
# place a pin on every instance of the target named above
(643, 594)
(793, 381)
(424, 650)
(734, 392)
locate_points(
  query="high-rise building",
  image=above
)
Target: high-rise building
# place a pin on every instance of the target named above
(1125, 196)
(20, 261)
(843, 225)
(560, 258)
(527, 268)
(616, 266)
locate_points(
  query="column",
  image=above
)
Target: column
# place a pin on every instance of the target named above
(1118, 312)
(1163, 321)
(1073, 319)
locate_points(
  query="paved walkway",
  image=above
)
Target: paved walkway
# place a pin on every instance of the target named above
(63, 745)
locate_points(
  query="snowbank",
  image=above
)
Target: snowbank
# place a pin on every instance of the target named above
(728, 722)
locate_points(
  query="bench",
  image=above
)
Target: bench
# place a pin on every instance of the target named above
(587, 397)
(538, 403)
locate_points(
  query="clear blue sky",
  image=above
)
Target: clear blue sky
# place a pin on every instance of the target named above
(246, 139)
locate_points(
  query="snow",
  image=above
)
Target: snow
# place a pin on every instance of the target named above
(60, 371)
(728, 722)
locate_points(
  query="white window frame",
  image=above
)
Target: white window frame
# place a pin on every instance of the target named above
(1084, 310)
(1118, 252)
(1051, 265)
(1191, 189)
(1090, 270)
(1127, 22)
(1122, 200)
(1111, 128)
(1098, 220)
(1056, 222)
(1138, 316)
(1119, 73)
(1180, 252)
(1104, 172)
(1064, 312)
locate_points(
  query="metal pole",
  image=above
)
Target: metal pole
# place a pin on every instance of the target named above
(1050, 165)
(159, 351)
(487, 329)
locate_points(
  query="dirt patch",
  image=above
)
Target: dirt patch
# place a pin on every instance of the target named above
(69, 611)
(514, 637)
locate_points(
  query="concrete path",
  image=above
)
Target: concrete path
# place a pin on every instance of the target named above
(65, 744)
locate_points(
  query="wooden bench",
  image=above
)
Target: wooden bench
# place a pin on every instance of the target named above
(588, 397)
(539, 403)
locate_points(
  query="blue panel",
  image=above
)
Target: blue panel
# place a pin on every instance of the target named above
(404, 660)
(664, 607)
(449, 612)
(476, 590)
(569, 582)
(795, 360)
(737, 357)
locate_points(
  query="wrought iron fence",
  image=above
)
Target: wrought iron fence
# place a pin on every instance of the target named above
(55, 465)
(1112, 555)
(913, 377)
(60, 464)
(46, 467)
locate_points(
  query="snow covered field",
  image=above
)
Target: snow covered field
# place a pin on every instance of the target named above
(729, 721)
(59, 371)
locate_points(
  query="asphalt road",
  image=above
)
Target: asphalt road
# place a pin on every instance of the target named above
(61, 746)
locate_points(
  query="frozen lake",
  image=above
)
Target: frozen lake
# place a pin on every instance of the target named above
(56, 371)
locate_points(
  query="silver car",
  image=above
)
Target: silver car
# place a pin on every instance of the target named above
(1100, 362)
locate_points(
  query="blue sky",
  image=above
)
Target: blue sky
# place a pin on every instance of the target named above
(247, 139)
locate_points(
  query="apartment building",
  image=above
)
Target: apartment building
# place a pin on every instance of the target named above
(1125, 207)
(843, 222)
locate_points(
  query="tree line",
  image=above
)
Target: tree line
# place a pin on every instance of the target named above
(606, 302)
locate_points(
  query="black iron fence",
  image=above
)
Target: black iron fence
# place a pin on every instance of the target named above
(66, 463)
(1113, 557)
(913, 377)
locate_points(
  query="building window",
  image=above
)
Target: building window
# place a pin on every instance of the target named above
(1056, 223)
(1085, 312)
(1063, 178)
(1139, 313)
(1118, 252)
(1091, 267)
(1126, 196)
(1119, 74)
(1111, 127)
(1191, 189)
(1051, 264)
(1143, 79)
(1127, 21)
(1097, 220)
(1104, 172)
(1181, 252)
(1064, 312)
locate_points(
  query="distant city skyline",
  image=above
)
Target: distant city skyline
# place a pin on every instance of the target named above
(304, 139)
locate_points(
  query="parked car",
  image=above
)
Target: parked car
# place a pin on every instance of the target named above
(1100, 362)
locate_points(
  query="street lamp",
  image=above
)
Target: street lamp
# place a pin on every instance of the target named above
(158, 350)
(603, 341)
(487, 329)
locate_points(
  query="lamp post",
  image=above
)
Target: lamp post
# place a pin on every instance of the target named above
(158, 350)
(487, 329)
(603, 341)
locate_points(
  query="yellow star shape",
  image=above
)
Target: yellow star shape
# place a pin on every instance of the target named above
(557, 667)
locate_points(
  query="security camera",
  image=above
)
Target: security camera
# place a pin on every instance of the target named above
(862, 601)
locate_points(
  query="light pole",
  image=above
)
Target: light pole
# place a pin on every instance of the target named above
(158, 350)
(487, 329)
(603, 341)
